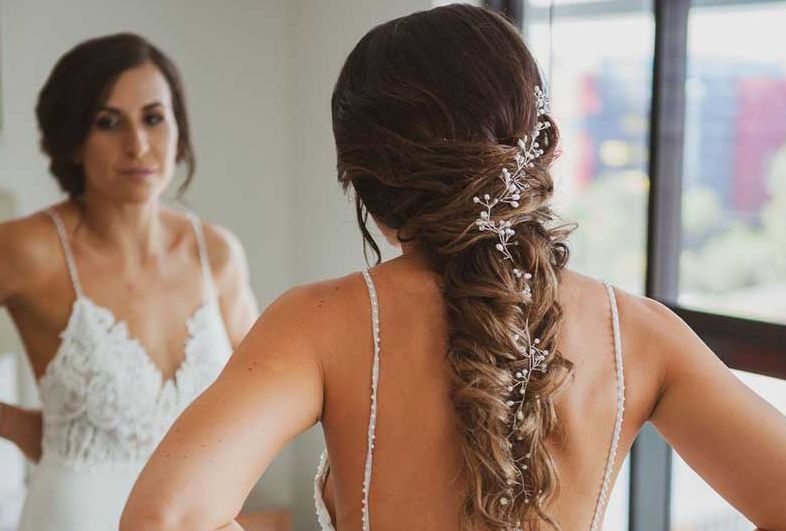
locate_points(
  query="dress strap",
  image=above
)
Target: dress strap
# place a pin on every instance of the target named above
(204, 260)
(372, 421)
(597, 519)
(67, 253)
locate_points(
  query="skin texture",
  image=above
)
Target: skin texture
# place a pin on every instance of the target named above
(308, 360)
(134, 256)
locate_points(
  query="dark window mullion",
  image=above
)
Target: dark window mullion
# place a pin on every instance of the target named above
(650, 483)
(667, 125)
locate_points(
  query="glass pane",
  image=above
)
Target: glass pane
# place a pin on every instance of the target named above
(601, 100)
(733, 258)
(694, 505)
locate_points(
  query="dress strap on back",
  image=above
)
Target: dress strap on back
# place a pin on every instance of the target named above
(372, 421)
(67, 253)
(597, 519)
(204, 260)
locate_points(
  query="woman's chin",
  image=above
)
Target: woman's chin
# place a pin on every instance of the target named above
(131, 192)
(145, 192)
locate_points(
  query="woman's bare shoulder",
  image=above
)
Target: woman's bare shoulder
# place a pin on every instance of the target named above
(29, 254)
(324, 304)
(309, 325)
(642, 319)
(224, 249)
(650, 332)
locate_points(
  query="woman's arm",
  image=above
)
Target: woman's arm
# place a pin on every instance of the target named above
(734, 439)
(17, 262)
(270, 391)
(23, 428)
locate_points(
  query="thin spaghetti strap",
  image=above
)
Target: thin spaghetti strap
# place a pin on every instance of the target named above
(372, 421)
(204, 260)
(67, 253)
(597, 518)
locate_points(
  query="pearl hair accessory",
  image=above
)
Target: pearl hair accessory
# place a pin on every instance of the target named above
(515, 183)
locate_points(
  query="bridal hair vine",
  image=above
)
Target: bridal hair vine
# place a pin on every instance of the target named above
(532, 357)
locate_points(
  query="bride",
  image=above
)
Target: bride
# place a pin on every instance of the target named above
(127, 309)
(474, 382)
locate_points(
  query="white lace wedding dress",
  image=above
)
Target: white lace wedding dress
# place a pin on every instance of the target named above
(106, 406)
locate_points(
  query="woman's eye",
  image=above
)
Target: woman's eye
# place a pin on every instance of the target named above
(153, 119)
(107, 123)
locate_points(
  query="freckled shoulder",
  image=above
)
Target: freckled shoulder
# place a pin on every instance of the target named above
(329, 300)
(324, 313)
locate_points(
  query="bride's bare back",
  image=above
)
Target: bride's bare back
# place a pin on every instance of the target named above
(417, 480)
(310, 355)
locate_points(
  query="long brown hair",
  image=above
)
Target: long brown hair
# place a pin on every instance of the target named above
(427, 111)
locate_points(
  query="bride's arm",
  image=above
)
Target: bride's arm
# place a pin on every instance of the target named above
(734, 439)
(270, 391)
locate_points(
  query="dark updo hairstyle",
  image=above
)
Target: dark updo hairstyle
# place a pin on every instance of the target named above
(427, 112)
(80, 84)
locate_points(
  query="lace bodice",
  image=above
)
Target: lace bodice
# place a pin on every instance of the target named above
(105, 403)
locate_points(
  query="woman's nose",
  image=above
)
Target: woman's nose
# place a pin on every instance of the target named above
(137, 143)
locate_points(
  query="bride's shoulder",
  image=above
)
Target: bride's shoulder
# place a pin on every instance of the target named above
(650, 331)
(654, 339)
(639, 316)
(322, 310)
(332, 293)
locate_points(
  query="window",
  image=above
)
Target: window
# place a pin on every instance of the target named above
(733, 199)
(601, 99)
(734, 182)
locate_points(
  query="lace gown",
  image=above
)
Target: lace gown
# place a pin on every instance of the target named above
(323, 516)
(106, 406)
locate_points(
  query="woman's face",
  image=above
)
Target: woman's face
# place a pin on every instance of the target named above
(129, 154)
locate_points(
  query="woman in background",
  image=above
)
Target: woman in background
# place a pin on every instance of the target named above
(127, 308)
(474, 382)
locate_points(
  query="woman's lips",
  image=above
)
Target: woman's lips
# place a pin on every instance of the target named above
(138, 172)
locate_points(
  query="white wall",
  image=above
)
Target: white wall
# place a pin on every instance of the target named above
(326, 240)
(325, 33)
(259, 74)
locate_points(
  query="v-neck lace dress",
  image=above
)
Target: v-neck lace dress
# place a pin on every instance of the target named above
(106, 406)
